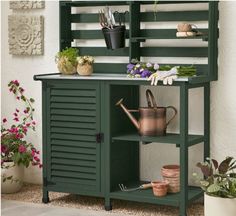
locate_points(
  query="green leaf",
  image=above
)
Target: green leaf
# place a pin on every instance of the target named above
(213, 188)
(32, 100)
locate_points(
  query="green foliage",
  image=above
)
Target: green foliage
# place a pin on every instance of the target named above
(219, 178)
(70, 54)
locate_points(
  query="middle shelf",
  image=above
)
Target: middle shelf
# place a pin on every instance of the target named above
(170, 138)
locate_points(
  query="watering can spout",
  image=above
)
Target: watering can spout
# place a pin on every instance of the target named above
(128, 113)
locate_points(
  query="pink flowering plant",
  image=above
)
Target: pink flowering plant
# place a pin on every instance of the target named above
(14, 146)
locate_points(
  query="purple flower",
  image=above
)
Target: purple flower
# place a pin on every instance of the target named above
(156, 66)
(130, 66)
(146, 73)
(149, 64)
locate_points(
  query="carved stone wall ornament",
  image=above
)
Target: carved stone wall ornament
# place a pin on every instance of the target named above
(23, 5)
(25, 35)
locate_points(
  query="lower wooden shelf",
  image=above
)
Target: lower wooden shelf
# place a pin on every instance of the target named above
(170, 138)
(147, 196)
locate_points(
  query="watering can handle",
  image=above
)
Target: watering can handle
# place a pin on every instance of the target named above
(175, 113)
(150, 99)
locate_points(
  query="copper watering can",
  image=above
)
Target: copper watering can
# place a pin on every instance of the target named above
(152, 120)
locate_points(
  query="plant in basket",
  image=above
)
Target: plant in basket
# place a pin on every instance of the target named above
(85, 65)
(16, 151)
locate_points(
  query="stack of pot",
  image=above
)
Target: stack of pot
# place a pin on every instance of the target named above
(171, 174)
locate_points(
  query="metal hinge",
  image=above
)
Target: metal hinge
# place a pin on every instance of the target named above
(99, 137)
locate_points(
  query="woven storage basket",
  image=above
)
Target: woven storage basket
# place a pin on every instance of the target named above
(85, 70)
(65, 67)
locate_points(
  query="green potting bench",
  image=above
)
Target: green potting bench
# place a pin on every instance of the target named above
(89, 145)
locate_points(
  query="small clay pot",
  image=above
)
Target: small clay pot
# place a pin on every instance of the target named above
(160, 188)
(85, 70)
(171, 174)
(184, 27)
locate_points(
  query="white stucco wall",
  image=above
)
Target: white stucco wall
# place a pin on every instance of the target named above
(223, 100)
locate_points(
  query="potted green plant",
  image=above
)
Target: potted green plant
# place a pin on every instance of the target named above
(219, 184)
(67, 60)
(16, 151)
(85, 65)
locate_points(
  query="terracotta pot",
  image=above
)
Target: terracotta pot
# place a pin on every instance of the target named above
(218, 206)
(171, 174)
(17, 173)
(85, 70)
(160, 188)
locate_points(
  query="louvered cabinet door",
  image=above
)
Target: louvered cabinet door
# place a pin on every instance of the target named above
(73, 151)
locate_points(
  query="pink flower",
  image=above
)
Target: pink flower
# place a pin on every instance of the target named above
(26, 111)
(22, 149)
(3, 149)
(36, 158)
(18, 98)
(17, 110)
(16, 119)
(21, 90)
(28, 124)
(33, 153)
(25, 129)
(15, 114)
(19, 136)
(16, 82)
(40, 165)
(4, 120)
(33, 122)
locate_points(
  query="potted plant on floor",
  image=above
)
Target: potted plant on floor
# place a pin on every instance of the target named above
(219, 184)
(16, 151)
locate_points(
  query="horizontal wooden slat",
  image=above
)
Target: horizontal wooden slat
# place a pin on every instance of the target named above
(66, 155)
(81, 119)
(73, 168)
(72, 174)
(162, 33)
(65, 99)
(73, 137)
(94, 3)
(64, 148)
(103, 51)
(73, 92)
(90, 34)
(109, 67)
(73, 181)
(148, 16)
(74, 162)
(75, 106)
(174, 2)
(82, 144)
(79, 122)
(73, 130)
(174, 51)
(73, 112)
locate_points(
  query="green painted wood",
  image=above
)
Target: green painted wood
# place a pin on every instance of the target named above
(93, 3)
(213, 40)
(65, 148)
(90, 34)
(207, 120)
(174, 51)
(183, 150)
(148, 16)
(73, 162)
(79, 119)
(83, 131)
(74, 168)
(71, 174)
(73, 92)
(146, 196)
(65, 180)
(72, 143)
(73, 106)
(64, 27)
(170, 138)
(73, 137)
(162, 33)
(103, 51)
(70, 124)
(110, 68)
(72, 99)
(89, 113)
(68, 155)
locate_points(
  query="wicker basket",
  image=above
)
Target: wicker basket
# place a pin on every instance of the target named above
(85, 70)
(65, 67)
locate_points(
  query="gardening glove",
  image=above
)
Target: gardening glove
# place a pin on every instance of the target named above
(166, 76)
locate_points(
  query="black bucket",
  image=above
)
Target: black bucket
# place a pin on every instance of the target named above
(114, 38)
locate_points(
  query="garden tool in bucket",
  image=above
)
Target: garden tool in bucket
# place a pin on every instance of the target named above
(152, 121)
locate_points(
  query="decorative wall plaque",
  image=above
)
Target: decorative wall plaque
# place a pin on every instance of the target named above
(22, 5)
(25, 35)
